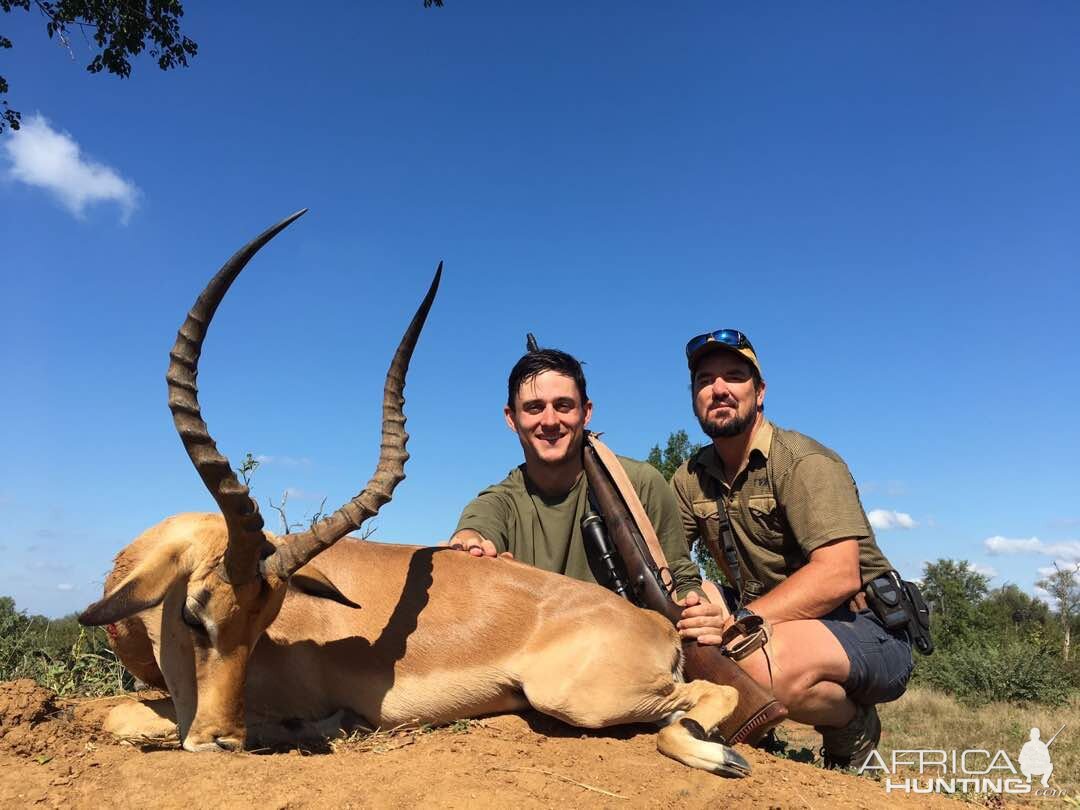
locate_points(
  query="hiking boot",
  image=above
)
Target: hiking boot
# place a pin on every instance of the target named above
(847, 748)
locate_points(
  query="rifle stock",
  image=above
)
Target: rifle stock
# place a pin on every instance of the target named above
(758, 710)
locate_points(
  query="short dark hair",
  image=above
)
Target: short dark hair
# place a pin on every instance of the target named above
(533, 363)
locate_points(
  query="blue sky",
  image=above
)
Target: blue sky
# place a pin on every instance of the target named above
(884, 197)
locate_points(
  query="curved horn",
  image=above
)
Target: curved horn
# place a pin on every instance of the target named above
(390, 471)
(241, 512)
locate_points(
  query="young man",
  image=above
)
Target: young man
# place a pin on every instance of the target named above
(534, 514)
(800, 551)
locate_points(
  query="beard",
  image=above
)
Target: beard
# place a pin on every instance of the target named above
(733, 427)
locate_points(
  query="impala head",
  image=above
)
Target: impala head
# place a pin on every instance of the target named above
(217, 582)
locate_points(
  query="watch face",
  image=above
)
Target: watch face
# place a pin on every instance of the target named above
(743, 613)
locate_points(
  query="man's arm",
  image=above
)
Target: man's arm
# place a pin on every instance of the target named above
(475, 543)
(482, 527)
(682, 503)
(829, 579)
(830, 538)
(821, 505)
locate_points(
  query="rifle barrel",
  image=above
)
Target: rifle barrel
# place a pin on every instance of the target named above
(1051, 742)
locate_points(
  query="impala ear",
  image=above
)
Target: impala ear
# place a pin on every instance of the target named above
(143, 588)
(314, 582)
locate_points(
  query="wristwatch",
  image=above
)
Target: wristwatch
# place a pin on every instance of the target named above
(743, 613)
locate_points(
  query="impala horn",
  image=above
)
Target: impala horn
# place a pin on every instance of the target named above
(303, 546)
(241, 512)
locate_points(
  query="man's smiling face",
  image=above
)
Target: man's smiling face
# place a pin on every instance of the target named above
(549, 418)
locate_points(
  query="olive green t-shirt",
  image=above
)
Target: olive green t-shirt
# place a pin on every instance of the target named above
(546, 532)
(792, 496)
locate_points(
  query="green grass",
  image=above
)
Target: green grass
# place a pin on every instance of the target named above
(58, 654)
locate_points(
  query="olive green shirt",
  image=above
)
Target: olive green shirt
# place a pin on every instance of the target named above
(546, 532)
(792, 496)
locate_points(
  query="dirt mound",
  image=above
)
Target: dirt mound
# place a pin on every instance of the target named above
(528, 760)
(23, 706)
(24, 702)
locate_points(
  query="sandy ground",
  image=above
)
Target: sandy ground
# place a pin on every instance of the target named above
(53, 753)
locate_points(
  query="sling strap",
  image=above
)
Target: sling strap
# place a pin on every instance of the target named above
(633, 503)
(731, 556)
(637, 511)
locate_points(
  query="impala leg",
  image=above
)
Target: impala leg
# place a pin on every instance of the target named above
(147, 720)
(599, 678)
(687, 739)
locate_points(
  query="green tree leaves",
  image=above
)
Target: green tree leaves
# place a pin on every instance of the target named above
(677, 451)
(119, 28)
(993, 645)
(954, 592)
(667, 461)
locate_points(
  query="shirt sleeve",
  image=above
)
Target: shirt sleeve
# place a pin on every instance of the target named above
(490, 515)
(691, 530)
(663, 510)
(821, 503)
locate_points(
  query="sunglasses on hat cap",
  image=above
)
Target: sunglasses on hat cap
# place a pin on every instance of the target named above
(727, 338)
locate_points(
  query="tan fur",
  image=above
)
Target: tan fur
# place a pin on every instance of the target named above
(224, 622)
(439, 636)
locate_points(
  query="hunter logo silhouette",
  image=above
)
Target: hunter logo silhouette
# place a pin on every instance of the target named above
(1035, 757)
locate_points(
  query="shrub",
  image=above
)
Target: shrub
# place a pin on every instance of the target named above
(1012, 671)
(58, 654)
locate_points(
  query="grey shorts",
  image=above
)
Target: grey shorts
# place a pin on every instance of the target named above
(881, 660)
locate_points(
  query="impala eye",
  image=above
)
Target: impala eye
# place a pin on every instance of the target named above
(192, 621)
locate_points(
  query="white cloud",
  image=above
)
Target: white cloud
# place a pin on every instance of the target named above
(63, 586)
(42, 157)
(1067, 550)
(1058, 565)
(884, 519)
(985, 570)
(1005, 545)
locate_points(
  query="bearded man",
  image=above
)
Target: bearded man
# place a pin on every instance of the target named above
(534, 514)
(781, 515)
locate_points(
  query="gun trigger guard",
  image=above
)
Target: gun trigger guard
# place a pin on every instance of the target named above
(668, 581)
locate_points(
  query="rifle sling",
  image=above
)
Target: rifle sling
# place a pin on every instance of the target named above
(633, 503)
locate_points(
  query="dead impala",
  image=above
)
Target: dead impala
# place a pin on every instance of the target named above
(247, 633)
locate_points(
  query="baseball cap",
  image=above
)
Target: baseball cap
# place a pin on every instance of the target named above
(729, 339)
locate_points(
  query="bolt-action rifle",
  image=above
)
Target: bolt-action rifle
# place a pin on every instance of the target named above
(621, 554)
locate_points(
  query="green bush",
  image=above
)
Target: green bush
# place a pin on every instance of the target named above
(1012, 671)
(58, 654)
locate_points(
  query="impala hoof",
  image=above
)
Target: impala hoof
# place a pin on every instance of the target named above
(732, 765)
(215, 745)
